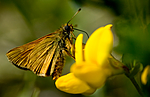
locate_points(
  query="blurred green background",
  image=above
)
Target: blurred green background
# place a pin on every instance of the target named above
(24, 21)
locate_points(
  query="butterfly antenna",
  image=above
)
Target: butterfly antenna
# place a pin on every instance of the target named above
(76, 28)
(82, 31)
(74, 15)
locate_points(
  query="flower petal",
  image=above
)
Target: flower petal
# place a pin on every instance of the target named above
(78, 49)
(99, 45)
(91, 73)
(145, 74)
(90, 91)
(70, 84)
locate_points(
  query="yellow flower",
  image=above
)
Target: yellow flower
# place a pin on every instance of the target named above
(145, 74)
(91, 69)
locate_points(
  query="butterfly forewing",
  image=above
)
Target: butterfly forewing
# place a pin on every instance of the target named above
(19, 55)
(41, 56)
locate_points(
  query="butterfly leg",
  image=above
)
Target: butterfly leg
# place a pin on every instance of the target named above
(68, 53)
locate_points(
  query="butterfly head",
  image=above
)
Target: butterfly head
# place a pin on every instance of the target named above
(68, 27)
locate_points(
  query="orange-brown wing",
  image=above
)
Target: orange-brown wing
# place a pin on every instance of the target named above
(35, 56)
(43, 56)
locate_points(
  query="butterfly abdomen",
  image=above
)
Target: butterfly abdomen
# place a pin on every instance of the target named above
(59, 66)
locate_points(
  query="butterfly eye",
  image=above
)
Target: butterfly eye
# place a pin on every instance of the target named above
(67, 28)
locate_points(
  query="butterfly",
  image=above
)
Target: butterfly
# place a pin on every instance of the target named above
(46, 55)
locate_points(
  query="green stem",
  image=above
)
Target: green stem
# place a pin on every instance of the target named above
(135, 84)
(128, 74)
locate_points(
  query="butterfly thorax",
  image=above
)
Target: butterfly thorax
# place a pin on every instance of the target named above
(65, 31)
(65, 36)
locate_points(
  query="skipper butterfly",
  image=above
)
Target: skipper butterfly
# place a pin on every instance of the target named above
(46, 55)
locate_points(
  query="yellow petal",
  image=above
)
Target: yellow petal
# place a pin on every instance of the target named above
(90, 91)
(78, 48)
(99, 45)
(145, 74)
(91, 73)
(70, 84)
